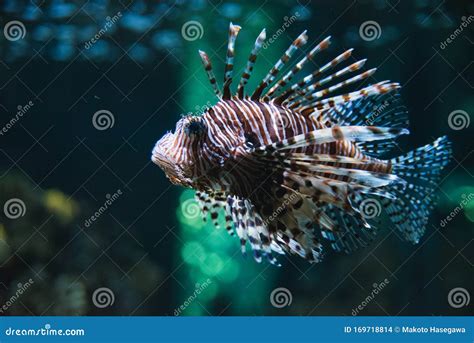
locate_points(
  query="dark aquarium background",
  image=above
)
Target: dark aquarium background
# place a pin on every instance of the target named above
(90, 226)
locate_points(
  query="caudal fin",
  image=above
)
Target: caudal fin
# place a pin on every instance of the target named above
(421, 168)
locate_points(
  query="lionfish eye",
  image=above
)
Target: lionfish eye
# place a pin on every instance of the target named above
(195, 127)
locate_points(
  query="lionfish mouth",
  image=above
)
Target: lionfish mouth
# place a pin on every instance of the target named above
(162, 158)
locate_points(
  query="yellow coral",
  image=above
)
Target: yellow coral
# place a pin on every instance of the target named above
(58, 203)
(3, 233)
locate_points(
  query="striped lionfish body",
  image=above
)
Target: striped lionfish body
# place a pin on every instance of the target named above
(298, 163)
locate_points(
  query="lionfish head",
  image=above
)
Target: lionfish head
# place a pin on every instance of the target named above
(173, 152)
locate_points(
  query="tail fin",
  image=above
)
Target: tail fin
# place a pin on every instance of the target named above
(421, 168)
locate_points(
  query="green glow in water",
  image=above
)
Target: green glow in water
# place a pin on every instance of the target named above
(193, 253)
(212, 264)
(230, 271)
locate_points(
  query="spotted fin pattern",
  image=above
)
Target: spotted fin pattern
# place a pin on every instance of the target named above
(422, 169)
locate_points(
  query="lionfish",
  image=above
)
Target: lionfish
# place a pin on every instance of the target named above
(294, 164)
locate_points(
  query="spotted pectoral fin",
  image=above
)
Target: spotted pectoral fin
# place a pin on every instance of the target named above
(251, 228)
(332, 188)
(291, 222)
(343, 212)
(305, 219)
(354, 231)
(214, 203)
